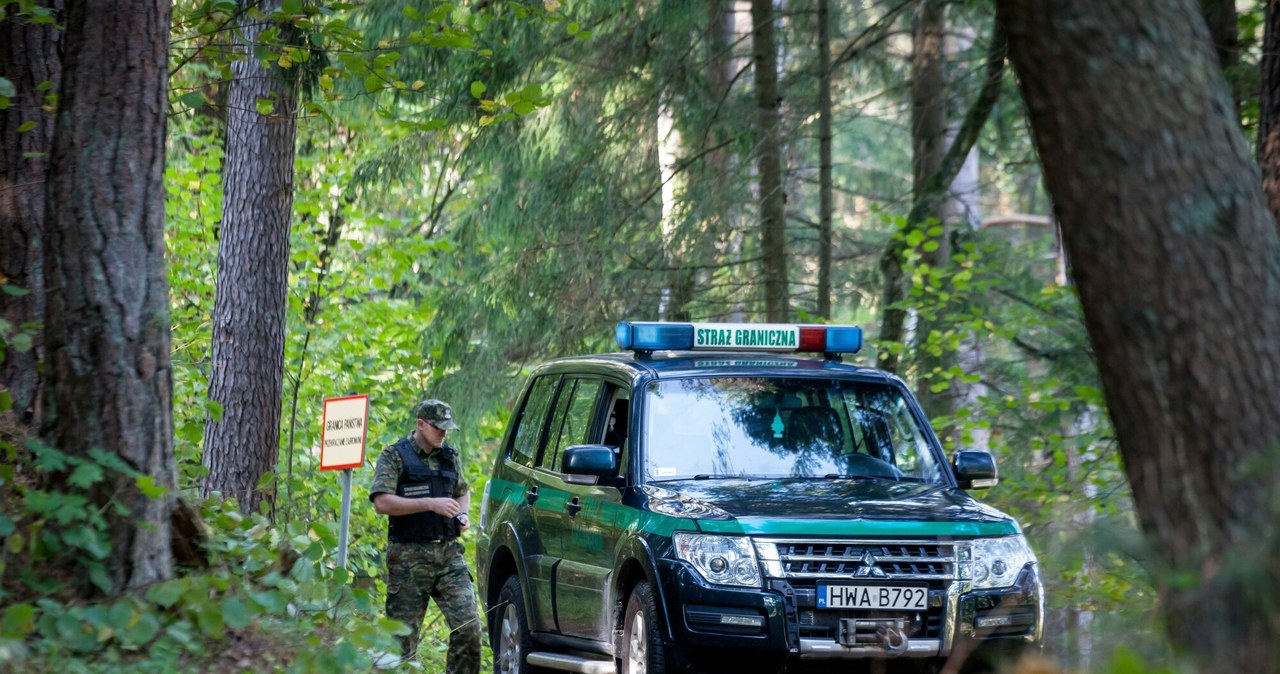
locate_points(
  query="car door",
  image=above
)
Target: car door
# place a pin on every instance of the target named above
(584, 575)
(540, 548)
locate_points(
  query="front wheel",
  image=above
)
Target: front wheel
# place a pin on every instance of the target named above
(642, 649)
(510, 637)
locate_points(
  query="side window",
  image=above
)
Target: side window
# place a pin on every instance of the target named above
(616, 424)
(524, 449)
(571, 421)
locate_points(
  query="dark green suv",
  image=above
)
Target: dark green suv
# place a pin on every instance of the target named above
(708, 500)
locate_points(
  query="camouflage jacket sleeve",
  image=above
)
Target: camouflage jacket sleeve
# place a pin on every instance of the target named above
(460, 486)
(386, 474)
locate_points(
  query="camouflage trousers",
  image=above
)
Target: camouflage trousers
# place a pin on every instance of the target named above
(420, 572)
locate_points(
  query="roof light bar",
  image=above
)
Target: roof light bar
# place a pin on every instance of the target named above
(654, 336)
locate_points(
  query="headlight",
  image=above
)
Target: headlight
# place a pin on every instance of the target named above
(723, 560)
(996, 562)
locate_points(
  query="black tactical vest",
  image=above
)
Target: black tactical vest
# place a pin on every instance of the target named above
(417, 480)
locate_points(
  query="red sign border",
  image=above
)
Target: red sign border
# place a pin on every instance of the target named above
(324, 415)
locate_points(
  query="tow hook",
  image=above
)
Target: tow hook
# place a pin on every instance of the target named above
(893, 639)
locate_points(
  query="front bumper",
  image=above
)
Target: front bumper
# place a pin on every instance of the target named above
(782, 621)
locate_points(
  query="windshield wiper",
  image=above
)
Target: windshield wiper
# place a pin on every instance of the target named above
(853, 476)
(721, 476)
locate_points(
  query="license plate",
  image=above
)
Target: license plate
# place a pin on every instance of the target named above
(891, 597)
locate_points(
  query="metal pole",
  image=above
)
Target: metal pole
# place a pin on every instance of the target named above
(345, 519)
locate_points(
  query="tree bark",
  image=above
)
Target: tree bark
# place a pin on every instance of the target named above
(1269, 109)
(825, 201)
(1177, 262)
(247, 368)
(28, 59)
(109, 381)
(773, 209)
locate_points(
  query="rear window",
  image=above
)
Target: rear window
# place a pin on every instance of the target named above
(783, 428)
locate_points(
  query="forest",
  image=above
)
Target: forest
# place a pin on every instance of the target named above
(1054, 219)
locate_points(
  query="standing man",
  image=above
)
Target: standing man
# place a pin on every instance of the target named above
(418, 484)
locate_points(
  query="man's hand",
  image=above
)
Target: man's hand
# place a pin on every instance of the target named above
(444, 506)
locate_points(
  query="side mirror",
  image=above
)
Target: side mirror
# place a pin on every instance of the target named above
(975, 469)
(586, 464)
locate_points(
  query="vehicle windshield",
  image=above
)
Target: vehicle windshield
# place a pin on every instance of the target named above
(769, 428)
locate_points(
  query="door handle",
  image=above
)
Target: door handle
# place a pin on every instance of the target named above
(531, 495)
(573, 507)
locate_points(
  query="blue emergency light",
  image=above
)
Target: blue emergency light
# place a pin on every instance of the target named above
(660, 336)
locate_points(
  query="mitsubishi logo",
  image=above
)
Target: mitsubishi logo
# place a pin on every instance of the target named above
(869, 568)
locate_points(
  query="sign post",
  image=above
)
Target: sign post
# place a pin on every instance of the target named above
(342, 437)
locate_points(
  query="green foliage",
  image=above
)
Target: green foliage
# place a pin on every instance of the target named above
(272, 601)
(56, 523)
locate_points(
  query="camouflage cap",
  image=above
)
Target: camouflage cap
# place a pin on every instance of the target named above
(437, 412)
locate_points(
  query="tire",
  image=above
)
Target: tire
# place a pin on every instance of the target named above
(510, 637)
(642, 649)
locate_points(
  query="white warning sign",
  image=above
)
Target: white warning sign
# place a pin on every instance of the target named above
(343, 433)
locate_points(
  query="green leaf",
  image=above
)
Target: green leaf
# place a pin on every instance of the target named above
(22, 342)
(27, 126)
(14, 291)
(147, 485)
(929, 246)
(6, 403)
(209, 618)
(165, 594)
(274, 601)
(573, 27)
(192, 99)
(98, 576)
(265, 106)
(214, 409)
(140, 631)
(291, 6)
(86, 475)
(477, 89)
(7, 89)
(18, 620)
(523, 107)
(235, 613)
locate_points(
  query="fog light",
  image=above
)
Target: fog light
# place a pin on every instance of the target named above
(995, 621)
(743, 620)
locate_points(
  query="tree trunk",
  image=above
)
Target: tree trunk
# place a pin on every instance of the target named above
(929, 122)
(932, 193)
(1177, 261)
(28, 59)
(773, 209)
(1269, 109)
(247, 368)
(825, 202)
(109, 382)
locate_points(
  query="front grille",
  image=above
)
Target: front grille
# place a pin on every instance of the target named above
(870, 560)
(802, 564)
